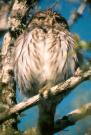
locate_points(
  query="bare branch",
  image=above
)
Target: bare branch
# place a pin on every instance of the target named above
(58, 90)
(73, 117)
(76, 14)
(5, 10)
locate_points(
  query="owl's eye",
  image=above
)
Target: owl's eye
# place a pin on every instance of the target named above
(62, 21)
(58, 19)
(41, 18)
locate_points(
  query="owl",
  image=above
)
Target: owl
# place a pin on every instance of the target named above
(44, 53)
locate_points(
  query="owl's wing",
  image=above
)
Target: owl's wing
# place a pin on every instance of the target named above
(21, 69)
(61, 56)
(68, 56)
(21, 42)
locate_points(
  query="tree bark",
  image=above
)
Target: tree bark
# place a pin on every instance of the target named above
(7, 84)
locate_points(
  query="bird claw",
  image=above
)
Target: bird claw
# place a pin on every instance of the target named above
(47, 100)
(78, 72)
(44, 93)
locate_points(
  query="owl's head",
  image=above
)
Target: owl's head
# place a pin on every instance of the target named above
(49, 18)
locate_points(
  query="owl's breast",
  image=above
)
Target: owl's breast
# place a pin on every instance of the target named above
(43, 57)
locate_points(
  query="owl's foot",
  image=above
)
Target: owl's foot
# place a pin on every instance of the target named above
(45, 92)
(48, 102)
(78, 72)
(48, 99)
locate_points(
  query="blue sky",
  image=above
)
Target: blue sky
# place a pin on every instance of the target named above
(81, 93)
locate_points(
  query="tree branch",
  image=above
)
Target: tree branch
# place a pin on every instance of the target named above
(59, 90)
(73, 117)
(7, 84)
(76, 14)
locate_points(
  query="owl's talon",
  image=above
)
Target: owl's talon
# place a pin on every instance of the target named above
(44, 93)
(77, 73)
